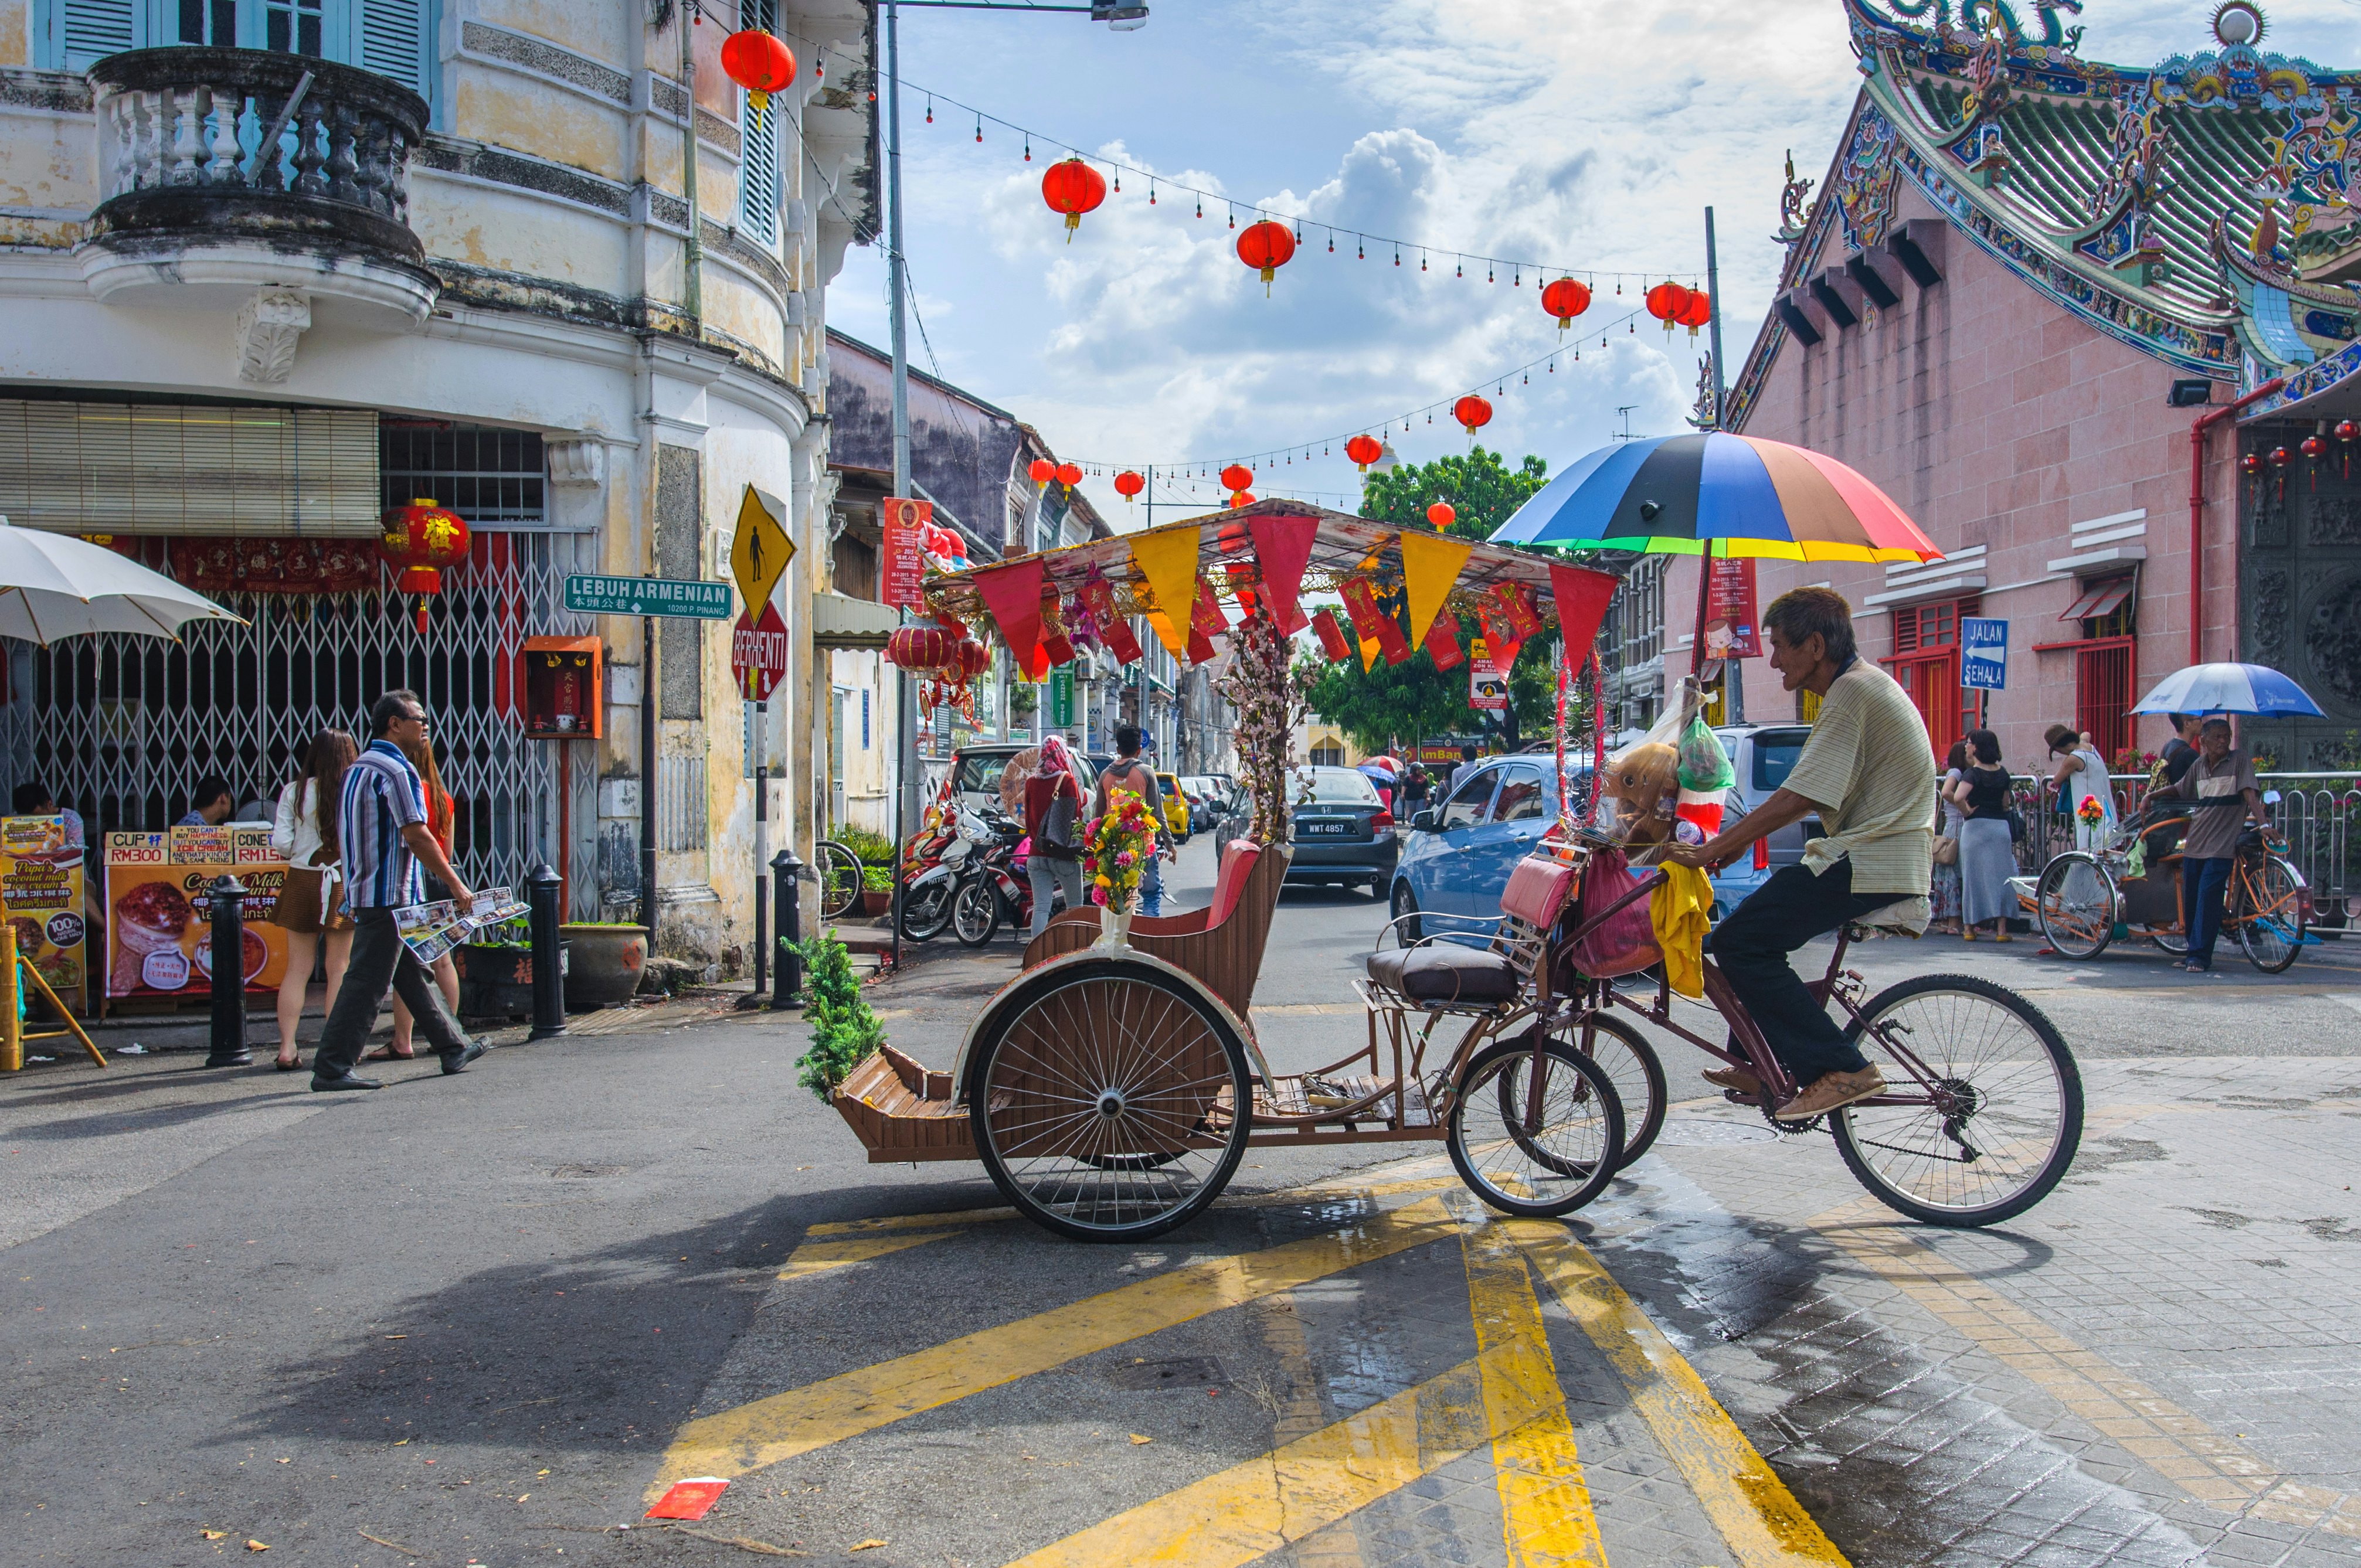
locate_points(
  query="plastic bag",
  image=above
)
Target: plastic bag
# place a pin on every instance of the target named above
(1637, 800)
(1626, 943)
(1706, 777)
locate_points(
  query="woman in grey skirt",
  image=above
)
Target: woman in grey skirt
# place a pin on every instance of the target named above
(1943, 894)
(1987, 851)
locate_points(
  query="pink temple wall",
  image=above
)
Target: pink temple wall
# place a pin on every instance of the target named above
(1995, 418)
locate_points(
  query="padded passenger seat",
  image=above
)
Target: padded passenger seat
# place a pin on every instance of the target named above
(1444, 971)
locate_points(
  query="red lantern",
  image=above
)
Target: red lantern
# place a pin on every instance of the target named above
(1266, 247)
(1042, 470)
(1242, 497)
(1442, 514)
(2251, 465)
(2315, 448)
(1236, 476)
(1697, 312)
(1364, 450)
(1233, 538)
(1666, 302)
(1072, 188)
(924, 649)
(1566, 300)
(1069, 474)
(2347, 433)
(421, 539)
(1472, 411)
(1128, 484)
(759, 64)
(968, 660)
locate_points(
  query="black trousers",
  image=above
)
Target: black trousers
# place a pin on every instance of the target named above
(1752, 947)
(380, 959)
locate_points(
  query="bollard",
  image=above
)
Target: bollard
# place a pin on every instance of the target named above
(228, 1042)
(786, 873)
(542, 887)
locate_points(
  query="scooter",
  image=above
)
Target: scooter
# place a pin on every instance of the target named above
(997, 889)
(935, 870)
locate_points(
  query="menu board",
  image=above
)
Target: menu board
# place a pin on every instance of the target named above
(158, 911)
(40, 878)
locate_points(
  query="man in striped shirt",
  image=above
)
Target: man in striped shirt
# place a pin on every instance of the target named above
(382, 838)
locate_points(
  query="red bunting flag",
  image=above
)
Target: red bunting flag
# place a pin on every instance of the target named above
(1013, 594)
(1283, 548)
(1333, 641)
(1580, 598)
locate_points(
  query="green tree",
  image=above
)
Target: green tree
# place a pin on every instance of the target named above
(1414, 698)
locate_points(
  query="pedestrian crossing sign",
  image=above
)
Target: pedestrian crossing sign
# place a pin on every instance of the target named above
(761, 549)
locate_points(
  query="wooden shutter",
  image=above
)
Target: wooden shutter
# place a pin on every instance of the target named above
(758, 172)
(84, 32)
(389, 37)
(170, 468)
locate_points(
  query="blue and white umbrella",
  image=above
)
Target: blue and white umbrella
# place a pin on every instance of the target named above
(2229, 688)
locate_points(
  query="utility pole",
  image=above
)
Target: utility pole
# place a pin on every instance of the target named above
(906, 786)
(1734, 678)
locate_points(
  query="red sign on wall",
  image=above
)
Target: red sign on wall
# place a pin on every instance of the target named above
(899, 567)
(1729, 627)
(758, 654)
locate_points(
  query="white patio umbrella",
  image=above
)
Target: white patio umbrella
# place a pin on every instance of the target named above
(53, 586)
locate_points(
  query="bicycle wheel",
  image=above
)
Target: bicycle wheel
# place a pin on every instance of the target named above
(2009, 1116)
(839, 872)
(1104, 1101)
(2266, 907)
(925, 912)
(1564, 1143)
(975, 913)
(2074, 906)
(1630, 1064)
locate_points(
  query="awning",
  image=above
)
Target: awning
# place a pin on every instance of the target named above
(852, 624)
(2100, 599)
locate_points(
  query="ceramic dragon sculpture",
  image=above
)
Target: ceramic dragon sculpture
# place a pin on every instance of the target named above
(1983, 15)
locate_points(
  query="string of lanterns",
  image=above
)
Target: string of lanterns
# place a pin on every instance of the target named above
(1078, 189)
(2256, 466)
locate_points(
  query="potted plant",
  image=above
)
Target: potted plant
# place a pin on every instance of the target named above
(604, 961)
(876, 890)
(496, 971)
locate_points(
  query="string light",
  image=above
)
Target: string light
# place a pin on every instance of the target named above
(1028, 146)
(930, 109)
(978, 133)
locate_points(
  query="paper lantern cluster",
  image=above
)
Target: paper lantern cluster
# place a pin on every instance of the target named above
(1677, 306)
(419, 540)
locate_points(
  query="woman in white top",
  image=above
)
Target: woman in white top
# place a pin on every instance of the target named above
(2082, 775)
(310, 901)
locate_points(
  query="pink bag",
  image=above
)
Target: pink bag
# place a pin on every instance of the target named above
(1626, 942)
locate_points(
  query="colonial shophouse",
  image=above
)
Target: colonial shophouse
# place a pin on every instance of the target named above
(2028, 278)
(270, 267)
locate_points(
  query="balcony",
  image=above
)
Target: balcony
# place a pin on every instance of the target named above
(269, 184)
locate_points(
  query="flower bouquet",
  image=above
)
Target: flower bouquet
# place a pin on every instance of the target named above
(1114, 858)
(2091, 811)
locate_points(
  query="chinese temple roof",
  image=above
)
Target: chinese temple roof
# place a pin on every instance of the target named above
(2197, 208)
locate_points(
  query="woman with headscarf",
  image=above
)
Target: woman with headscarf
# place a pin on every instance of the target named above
(1053, 800)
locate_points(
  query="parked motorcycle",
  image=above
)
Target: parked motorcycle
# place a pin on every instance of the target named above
(997, 889)
(936, 866)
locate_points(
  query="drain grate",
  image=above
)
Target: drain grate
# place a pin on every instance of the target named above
(1179, 1372)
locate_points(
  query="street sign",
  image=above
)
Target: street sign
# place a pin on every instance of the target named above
(1061, 697)
(1983, 652)
(649, 595)
(758, 654)
(761, 549)
(899, 563)
(1488, 688)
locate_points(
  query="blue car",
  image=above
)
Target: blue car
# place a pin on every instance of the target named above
(1459, 855)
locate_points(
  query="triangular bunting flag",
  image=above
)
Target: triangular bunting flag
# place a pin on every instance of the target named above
(1013, 594)
(1167, 560)
(1283, 548)
(1431, 565)
(1368, 655)
(1580, 598)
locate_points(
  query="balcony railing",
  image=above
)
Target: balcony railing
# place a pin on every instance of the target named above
(226, 140)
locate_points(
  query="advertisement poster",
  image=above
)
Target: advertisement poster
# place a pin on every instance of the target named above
(899, 565)
(40, 876)
(1488, 688)
(159, 940)
(1729, 627)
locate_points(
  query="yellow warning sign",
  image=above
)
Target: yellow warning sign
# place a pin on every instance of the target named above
(762, 549)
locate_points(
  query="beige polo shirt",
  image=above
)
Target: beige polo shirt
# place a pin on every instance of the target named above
(1868, 766)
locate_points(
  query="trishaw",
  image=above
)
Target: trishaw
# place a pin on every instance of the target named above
(2084, 899)
(1112, 1087)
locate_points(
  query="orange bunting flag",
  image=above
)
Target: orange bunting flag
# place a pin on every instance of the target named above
(1331, 637)
(1442, 644)
(1168, 561)
(1431, 564)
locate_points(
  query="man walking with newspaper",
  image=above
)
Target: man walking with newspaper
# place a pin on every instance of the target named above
(381, 830)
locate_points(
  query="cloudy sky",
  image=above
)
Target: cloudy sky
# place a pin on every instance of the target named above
(1582, 134)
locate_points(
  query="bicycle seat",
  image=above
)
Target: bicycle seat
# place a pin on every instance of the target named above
(1444, 971)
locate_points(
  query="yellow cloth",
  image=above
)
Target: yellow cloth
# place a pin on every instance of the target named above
(1681, 909)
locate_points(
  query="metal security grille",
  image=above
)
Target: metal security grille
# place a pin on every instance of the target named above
(120, 728)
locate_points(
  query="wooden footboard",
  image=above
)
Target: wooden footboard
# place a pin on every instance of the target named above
(900, 1110)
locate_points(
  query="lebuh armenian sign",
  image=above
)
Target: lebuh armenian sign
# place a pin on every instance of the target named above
(649, 595)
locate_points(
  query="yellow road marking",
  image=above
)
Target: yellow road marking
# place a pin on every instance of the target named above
(1249, 1510)
(1759, 1518)
(766, 1430)
(833, 1243)
(1297, 1414)
(1546, 1512)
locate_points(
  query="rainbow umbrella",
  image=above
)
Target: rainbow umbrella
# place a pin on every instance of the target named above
(1717, 495)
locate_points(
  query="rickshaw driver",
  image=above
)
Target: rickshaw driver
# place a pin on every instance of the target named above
(1868, 771)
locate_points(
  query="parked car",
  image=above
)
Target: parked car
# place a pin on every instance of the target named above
(975, 771)
(1764, 754)
(1341, 833)
(1460, 854)
(1176, 807)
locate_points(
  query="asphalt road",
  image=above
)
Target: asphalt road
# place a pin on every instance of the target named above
(481, 1319)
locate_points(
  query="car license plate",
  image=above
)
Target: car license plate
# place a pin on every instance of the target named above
(1317, 829)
